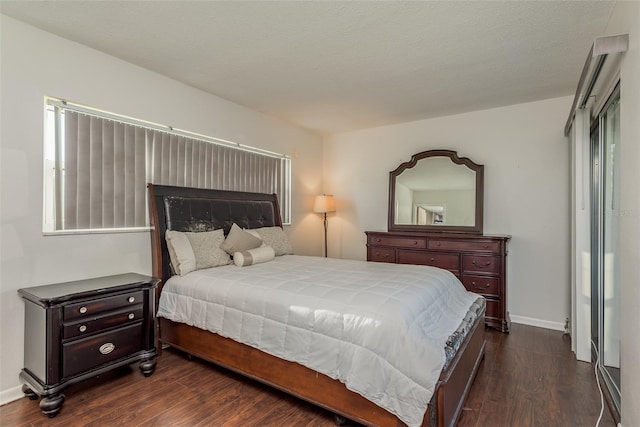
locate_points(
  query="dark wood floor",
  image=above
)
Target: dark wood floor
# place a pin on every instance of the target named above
(529, 378)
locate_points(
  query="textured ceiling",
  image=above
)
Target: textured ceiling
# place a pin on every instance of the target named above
(339, 66)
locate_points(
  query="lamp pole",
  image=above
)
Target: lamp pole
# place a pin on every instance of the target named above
(325, 234)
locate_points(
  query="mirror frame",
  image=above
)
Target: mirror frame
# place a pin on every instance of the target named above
(453, 156)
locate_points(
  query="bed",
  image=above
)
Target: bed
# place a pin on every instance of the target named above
(189, 209)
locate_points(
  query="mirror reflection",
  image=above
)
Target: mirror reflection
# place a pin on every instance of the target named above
(436, 191)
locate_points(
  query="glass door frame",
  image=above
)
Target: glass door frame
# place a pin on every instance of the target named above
(600, 165)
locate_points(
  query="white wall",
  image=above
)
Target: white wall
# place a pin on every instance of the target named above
(35, 64)
(526, 158)
(626, 19)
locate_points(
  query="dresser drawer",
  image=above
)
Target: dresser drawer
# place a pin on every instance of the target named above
(449, 262)
(85, 354)
(482, 285)
(399, 242)
(90, 308)
(481, 264)
(462, 245)
(493, 309)
(382, 254)
(88, 326)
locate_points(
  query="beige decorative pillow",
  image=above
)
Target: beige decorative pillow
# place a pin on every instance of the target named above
(239, 240)
(276, 238)
(253, 256)
(254, 233)
(183, 260)
(206, 248)
(195, 251)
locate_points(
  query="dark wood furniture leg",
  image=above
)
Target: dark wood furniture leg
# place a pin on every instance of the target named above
(50, 405)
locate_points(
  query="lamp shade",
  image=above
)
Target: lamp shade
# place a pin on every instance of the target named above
(324, 204)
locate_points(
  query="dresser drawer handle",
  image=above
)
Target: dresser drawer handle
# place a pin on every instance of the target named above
(486, 264)
(107, 348)
(433, 259)
(379, 255)
(438, 244)
(378, 240)
(486, 246)
(131, 316)
(480, 287)
(415, 242)
(82, 328)
(131, 299)
(83, 310)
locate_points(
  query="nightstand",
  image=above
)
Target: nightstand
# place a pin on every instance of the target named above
(77, 330)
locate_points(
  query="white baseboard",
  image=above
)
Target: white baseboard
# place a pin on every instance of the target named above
(10, 395)
(556, 326)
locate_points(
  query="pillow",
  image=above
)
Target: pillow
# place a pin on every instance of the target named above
(206, 247)
(238, 240)
(183, 260)
(253, 256)
(195, 251)
(275, 237)
(254, 233)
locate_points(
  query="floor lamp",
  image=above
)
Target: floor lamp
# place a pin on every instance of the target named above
(324, 204)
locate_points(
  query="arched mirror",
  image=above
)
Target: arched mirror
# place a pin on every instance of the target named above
(437, 191)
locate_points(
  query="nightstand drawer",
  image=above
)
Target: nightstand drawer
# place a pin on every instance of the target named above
(482, 285)
(83, 355)
(90, 308)
(88, 326)
(481, 264)
(434, 259)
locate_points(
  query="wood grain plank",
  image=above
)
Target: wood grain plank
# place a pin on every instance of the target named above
(529, 378)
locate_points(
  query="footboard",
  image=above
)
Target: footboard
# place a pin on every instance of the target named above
(302, 382)
(455, 382)
(290, 377)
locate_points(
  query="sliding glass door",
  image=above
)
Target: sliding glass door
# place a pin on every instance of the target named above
(605, 217)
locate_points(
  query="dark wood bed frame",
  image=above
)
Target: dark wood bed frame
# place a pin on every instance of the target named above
(452, 388)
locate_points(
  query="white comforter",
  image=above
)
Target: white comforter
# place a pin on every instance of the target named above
(379, 328)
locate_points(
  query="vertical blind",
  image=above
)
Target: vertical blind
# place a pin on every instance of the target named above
(107, 164)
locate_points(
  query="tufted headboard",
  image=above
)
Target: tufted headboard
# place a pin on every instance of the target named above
(197, 209)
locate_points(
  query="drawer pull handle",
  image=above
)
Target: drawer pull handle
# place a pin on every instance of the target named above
(486, 246)
(131, 316)
(83, 310)
(480, 287)
(415, 242)
(131, 299)
(433, 259)
(379, 255)
(438, 244)
(378, 240)
(486, 264)
(107, 348)
(82, 328)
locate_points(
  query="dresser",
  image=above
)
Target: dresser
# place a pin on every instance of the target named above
(77, 330)
(479, 261)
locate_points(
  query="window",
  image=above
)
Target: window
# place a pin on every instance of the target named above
(97, 165)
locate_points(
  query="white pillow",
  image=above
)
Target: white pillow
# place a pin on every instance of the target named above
(253, 256)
